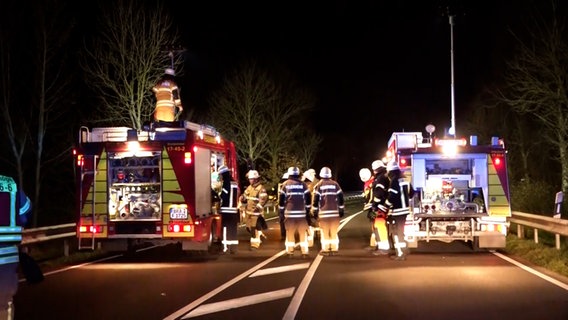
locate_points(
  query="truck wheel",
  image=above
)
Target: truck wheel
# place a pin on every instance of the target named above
(214, 245)
(475, 244)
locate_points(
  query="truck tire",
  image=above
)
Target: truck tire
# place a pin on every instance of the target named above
(475, 244)
(214, 245)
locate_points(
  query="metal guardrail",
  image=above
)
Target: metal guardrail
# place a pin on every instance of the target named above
(559, 227)
(36, 235)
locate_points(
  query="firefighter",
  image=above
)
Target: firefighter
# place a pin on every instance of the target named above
(294, 204)
(309, 177)
(167, 98)
(253, 200)
(379, 210)
(367, 178)
(15, 208)
(229, 210)
(328, 209)
(281, 221)
(400, 192)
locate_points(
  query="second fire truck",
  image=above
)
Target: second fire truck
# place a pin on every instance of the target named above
(462, 189)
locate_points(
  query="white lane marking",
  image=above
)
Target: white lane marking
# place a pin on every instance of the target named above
(76, 267)
(239, 302)
(268, 271)
(88, 263)
(296, 300)
(209, 295)
(299, 295)
(533, 271)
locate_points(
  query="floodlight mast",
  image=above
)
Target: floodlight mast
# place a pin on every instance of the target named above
(452, 130)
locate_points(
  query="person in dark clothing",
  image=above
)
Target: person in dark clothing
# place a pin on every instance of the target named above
(328, 208)
(229, 210)
(294, 205)
(399, 194)
(15, 209)
(380, 193)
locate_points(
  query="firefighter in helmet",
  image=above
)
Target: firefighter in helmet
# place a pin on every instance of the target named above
(281, 221)
(400, 192)
(309, 177)
(328, 208)
(253, 201)
(367, 178)
(229, 210)
(379, 210)
(15, 208)
(294, 204)
(167, 98)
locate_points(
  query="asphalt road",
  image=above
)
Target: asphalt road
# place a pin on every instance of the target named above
(438, 281)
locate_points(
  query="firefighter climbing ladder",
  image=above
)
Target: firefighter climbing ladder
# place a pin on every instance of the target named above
(88, 242)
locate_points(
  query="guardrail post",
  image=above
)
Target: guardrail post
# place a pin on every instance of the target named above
(535, 235)
(520, 231)
(557, 214)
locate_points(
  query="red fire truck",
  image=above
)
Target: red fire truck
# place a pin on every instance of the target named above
(462, 189)
(154, 185)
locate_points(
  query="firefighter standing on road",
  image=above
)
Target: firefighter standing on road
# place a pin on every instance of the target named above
(167, 98)
(309, 177)
(281, 221)
(15, 207)
(253, 200)
(294, 204)
(400, 193)
(379, 209)
(367, 178)
(328, 208)
(229, 210)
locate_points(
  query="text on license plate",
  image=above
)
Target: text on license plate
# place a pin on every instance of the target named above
(178, 213)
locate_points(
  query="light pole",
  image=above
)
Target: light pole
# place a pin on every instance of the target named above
(452, 130)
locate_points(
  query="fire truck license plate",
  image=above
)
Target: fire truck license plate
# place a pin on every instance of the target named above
(178, 213)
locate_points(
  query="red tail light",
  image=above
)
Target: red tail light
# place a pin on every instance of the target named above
(179, 227)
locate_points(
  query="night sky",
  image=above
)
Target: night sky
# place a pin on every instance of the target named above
(375, 66)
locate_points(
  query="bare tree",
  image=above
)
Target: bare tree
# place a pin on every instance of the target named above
(238, 109)
(52, 88)
(127, 57)
(309, 146)
(288, 133)
(537, 84)
(16, 132)
(266, 118)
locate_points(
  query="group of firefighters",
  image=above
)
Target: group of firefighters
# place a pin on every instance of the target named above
(304, 203)
(307, 204)
(387, 200)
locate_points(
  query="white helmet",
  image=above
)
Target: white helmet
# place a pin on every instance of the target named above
(170, 71)
(392, 166)
(223, 169)
(325, 173)
(377, 164)
(310, 174)
(365, 174)
(285, 176)
(253, 174)
(293, 171)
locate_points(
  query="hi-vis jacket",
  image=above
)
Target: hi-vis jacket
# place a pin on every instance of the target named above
(10, 208)
(400, 193)
(328, 198)
(254, 198)
(167, 99)
(295, 199)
